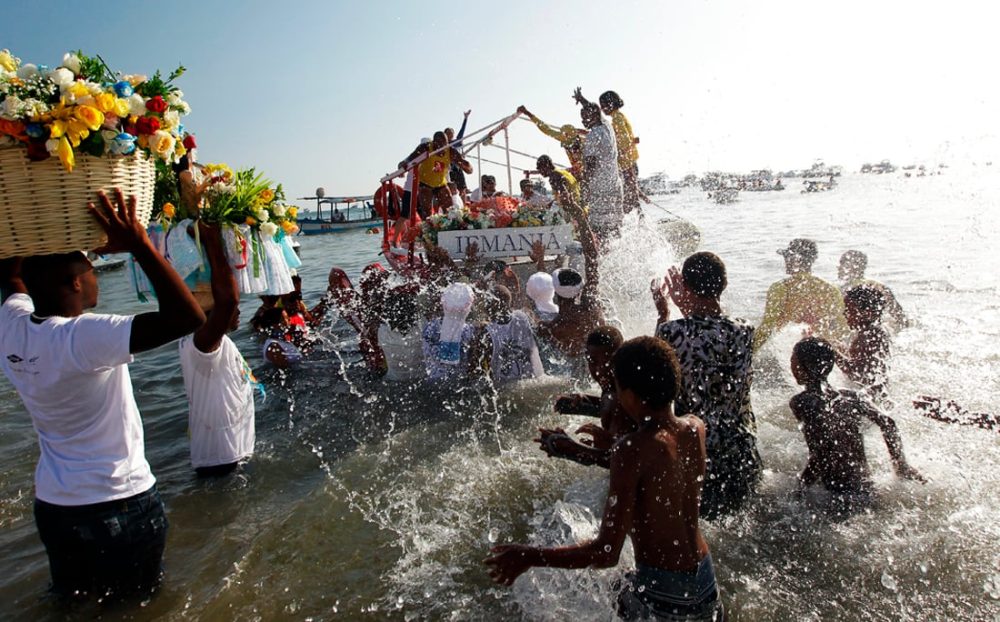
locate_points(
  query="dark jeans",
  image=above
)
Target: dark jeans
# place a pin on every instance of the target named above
(114, 547)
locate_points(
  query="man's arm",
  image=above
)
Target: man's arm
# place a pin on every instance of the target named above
(10, 278)
(178, 314)
(461, 130)
(509, 561)
(774, 315)
(893, 442)
(225, 293)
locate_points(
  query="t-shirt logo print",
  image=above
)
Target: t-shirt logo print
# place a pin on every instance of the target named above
(13, 358)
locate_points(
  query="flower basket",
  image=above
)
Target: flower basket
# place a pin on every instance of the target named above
(43, 208)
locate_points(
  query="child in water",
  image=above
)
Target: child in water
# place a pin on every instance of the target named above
(655, 490)
(866, 359)
(831, 424)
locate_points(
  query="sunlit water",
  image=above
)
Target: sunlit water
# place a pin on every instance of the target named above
(368, 501)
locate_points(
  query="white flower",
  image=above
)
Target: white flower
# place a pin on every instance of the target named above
(11, 107)
(34, 108)
(269, 229)
(261, 215)
(52, 145)
(278, 209)
(136, 105)
(171, 119)
(26, 72)
(174, 98)
(61, 76)
(72, 62)
(184, 108)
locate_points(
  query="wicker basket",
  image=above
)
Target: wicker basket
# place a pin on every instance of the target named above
(43, 209)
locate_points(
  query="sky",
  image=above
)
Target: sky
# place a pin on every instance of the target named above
(334, 94)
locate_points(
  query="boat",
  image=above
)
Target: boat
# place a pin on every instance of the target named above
(818, 185)
(358, 213)
(724, 196)
(106, 263)
(885, 166)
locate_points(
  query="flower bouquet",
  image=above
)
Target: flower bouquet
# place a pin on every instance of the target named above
(492, 214)
(79, 115)
(256, 225)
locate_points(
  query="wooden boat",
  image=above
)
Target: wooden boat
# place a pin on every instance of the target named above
(357, 213)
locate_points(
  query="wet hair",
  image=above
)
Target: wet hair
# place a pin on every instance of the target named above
(270, 318)
(816, 357)
(866, 298)
(591, 108)
(401, 309)
(648, 367)
(705, 274)
(43, 274)
(611, 100)
(525, 182)
(607, 337)
(568, 277)
(856, 259)
(441, 134)
(544, 160)
(503, 295)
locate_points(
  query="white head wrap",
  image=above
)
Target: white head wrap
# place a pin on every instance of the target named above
(541, 290)
(566, 291)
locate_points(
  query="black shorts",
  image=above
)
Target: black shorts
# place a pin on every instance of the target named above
(404, 209)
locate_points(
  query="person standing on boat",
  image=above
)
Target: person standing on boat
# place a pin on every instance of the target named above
(532, 198)
(487, 189)
(569, 137)
(218, 381)
(432, 174)
(602, 181)
(97, 509)
(456, 174)
(628, 153)
(565, 187)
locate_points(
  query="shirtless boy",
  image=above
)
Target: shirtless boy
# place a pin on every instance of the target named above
(831, 424)
(866, 358)
(656, 475)
(602, 344)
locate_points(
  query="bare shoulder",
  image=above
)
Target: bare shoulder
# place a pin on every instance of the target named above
(691, 425)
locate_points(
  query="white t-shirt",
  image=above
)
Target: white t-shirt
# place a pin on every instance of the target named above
(603, 181)
(72, 375)
(515, 352)
(404, 355)
(219, 387)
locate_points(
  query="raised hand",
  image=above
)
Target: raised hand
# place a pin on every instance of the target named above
(125, 232)
(508, 562)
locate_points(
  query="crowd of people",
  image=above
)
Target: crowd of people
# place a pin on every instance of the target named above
(674, 424)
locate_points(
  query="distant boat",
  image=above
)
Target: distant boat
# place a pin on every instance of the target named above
(105, 263)
(724, 196)
(358, 213)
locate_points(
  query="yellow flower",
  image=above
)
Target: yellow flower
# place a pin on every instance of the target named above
(107, 102)
(91, 117)
(122, 108)
(179, 150)
(292, 211)
(289, 227)
(267, 195)
(7, 60)
(161, 144)
(65, 152)
(79, 89)
(169, 210)
(251, 221)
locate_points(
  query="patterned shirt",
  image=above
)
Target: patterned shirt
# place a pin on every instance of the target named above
(715, 355)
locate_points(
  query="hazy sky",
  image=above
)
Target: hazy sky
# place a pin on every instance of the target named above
(334, 94)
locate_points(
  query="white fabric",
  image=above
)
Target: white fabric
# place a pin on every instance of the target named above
(541, 291)
(220, 403)
(537, 200)
(275, 268)
(292, 354)
(404, 355)
(456, 302)
(435, 353)
(410, 178)
(515, 352)
(456, 202)
(72, 375)
(240, 250)
(565, 291)
(477, 195)
(603, 187)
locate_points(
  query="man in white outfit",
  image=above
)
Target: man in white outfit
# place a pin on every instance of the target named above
(602, 182)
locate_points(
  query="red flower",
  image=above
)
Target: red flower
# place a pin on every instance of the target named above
(156, 104)
(189, 143)
(37, 150)
(147, 125)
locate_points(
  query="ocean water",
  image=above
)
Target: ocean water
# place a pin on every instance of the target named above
(371, 501)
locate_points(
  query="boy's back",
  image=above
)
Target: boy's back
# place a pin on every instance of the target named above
(671, 464)
(831, 424)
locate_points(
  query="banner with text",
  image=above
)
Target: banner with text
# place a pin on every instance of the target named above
(508, 242)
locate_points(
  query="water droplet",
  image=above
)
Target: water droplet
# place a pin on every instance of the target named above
(613, 500)
(642, 588)
(607, 548)
(492, 535)
(888, 581)
(677, 542)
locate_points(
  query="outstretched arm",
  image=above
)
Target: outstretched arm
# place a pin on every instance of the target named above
(179, 313)
(579, 98)
(508, 562)
(225, 293)
(461, 130)
(893, 442)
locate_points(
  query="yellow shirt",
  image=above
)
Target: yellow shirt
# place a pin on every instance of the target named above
(806, 299)
(571, 183)
(569, 139)
(628, 153)
(434, 170)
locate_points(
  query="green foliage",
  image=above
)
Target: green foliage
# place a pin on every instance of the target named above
(239, 200)
(156, 85)
(165, 188)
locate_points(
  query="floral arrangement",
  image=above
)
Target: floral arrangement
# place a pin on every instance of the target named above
(83, 106)
(491, 215)
(247, 197)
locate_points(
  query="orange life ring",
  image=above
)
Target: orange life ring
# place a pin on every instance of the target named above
(382, 205)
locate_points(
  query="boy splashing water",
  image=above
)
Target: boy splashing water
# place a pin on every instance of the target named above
(831, 424)
(656, 475)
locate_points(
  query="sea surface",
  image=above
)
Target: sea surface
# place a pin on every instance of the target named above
(367, 501)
